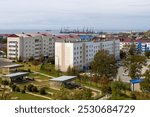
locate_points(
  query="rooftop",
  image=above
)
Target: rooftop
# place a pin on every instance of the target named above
(16, 74)
(12, 66)
(63, 78)
(134, 81)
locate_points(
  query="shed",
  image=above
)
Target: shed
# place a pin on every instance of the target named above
(15, 76)
(61, 81)
(10, 68)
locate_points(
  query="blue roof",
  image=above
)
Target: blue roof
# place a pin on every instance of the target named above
(85, 37)
(136, 81)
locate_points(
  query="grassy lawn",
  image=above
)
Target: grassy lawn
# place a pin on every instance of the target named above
(49, 69)
(88, 83)
(26, 96)
(38, 76)
(46, 68)
(29, 65)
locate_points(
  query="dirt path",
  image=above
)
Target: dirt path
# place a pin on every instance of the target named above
(39, 95)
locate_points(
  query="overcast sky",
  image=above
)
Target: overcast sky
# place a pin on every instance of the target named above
(100, 14)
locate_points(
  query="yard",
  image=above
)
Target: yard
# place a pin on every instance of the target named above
(20, 96)
(45, 68)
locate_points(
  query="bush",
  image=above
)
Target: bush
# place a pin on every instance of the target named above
(17, 89)
(42, 91)
(34, 89)
(13, 87)
(23, 91)
(25, 87)
(29, 70)
(29, 88)
(5, 82)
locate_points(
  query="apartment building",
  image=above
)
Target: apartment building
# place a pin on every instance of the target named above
(80, 54)
(30, 45)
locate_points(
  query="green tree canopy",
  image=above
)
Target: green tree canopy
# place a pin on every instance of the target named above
(134, 64)
(145, 85)
(104, 64)
(105, 85)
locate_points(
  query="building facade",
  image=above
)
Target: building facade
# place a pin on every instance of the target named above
(80, 54)
(30, 45)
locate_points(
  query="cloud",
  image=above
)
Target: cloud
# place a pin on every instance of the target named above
(58, 13)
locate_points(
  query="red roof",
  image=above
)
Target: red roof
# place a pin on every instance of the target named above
(13, 35)
(66, 36)
(5, 35)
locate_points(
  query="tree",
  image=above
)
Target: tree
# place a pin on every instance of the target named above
(17, 89)
(104, 64)
(29, 88)
(145, 84)
(147, 54)
(20, 59)
(69, 71)
(105, 85)
(31, 58)
(34, 89)
(134, 64)
(42, 91)
(132, 49)
(122, 54)
(35, 63)
(5, 82)
(76, 94)
(72, 71)
(41, 58)
(117, 88)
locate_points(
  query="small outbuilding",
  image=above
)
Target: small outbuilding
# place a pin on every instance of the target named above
(10, 68)
(61, 81)
(15, 77)
(135, 84)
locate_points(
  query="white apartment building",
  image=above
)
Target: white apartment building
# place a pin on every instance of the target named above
(80, 54)
(30, 45)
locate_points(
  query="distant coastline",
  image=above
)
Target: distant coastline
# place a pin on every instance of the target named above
(57, 31)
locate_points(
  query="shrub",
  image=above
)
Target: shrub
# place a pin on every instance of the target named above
(13, 87)
(29, 88)
(17, 89)
(25, 87)
(34, 89)
(29, 70)
(23, 91)
(42, 91)
(5, 82)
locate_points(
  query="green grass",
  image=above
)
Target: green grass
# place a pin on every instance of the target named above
(46, 68)
(26, 96)
(88, 83)
(29, 65)
(38, 76)
(49, 69)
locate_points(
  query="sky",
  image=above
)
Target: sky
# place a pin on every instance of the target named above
(54, 14)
